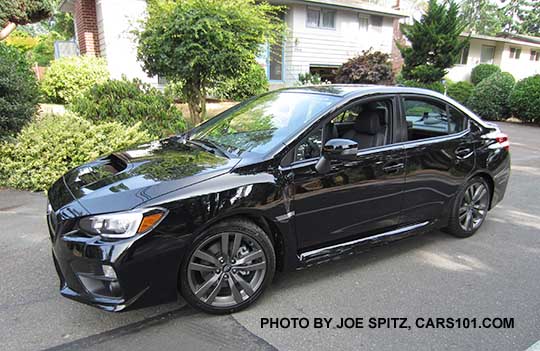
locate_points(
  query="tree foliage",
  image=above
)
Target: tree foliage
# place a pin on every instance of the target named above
(18, 91)
(435, 42)
(482, 16)
(23, 12)
(198, 42)
(370, 67)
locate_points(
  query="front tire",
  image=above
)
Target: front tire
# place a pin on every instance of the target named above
(228, 267)
(470, 208)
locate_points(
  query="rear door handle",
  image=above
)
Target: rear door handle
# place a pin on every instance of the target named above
(463, 152)
(393, 168)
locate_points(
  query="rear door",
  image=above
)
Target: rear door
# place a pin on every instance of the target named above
(440, 156)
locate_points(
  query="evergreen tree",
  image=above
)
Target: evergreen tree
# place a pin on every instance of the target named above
(435, 42)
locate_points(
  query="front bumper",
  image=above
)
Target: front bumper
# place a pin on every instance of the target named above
(114, 275)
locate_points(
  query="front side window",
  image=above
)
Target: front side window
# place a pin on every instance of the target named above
(366, 123)
(259, 125)
(428, 118)
(321, 18)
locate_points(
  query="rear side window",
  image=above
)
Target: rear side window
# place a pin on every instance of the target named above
(429, 118)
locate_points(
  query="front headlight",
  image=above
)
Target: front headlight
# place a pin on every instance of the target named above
(123, 224)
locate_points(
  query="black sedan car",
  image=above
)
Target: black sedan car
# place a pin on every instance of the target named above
(282, 181)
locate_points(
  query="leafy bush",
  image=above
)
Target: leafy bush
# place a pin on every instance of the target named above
(525, 99)
(249, 83)
(309, 79)
(175, 92)
(490, 98)
(482, 71)
(48, 147)
(368, 68)
(18, 91)
(436, 86)
(130, 102)
(69, 77)
(460, 91)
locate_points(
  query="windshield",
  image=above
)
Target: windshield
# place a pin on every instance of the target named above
(261, 124)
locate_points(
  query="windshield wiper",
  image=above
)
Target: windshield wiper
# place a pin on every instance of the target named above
(211, 146)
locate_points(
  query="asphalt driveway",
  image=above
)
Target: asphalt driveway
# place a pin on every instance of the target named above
(496, 273)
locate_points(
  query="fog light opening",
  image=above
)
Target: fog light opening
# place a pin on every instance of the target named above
(108, 271)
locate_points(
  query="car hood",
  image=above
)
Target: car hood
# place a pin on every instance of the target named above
(126, 179)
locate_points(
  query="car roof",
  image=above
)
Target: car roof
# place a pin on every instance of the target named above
(348, 90)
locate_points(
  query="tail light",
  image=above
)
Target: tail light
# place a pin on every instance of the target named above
(501, 140)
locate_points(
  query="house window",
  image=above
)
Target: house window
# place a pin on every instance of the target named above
(376, 23)
(363, 22)
(535, 55)
(463, 56)
(321, 18)
(515, 53)
(275, 61)
(487, 55)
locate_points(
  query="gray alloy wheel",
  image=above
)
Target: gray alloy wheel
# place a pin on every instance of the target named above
(226, 269)
(474, 206)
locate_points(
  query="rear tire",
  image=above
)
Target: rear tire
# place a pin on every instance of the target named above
(470, 208)
(228, 267)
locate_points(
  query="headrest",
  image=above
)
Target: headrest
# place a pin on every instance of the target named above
(368, 122)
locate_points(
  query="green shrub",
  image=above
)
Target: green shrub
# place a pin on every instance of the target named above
(460, 91)
(490, 98)
(129, 102)
(51, 145)
(309, 79)
(69, 77)
(436, 86)
(366, 68)
(525, 99)
(18, 91)
(247, 84)
(482, 71)
(175, 92)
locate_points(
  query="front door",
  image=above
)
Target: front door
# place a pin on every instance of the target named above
(356, 198)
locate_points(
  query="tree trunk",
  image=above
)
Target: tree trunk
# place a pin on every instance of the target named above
(6, 31)
(196, 98)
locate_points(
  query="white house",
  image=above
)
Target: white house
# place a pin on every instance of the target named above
(516, 54)
(322, 35)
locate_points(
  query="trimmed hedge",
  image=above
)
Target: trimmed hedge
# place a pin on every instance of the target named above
(525, 99)
(129, 102)
(482, 71)
(18, 91)
(490, 98)
(51, 145)
(460, 91)
(67, 78)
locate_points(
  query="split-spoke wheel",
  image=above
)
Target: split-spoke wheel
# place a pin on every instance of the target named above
(229, 267)
(472, 208)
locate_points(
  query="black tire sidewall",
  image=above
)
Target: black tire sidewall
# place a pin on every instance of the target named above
(240, 226)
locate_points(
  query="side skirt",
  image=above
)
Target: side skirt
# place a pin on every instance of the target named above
(325, 254)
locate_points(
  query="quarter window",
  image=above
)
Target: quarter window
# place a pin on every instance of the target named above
(427, 119)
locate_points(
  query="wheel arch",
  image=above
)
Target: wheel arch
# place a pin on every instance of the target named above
(489, 180)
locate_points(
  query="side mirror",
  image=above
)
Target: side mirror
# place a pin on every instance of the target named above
(336, 149)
